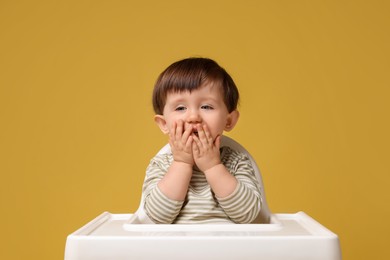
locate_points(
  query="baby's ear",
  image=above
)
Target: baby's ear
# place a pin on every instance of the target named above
(232, 120)
(160, 121)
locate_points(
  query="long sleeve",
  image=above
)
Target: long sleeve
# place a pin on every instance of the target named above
(201, 204)
(157, 206)
(244, 204)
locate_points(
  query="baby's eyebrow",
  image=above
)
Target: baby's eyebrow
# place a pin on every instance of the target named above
(176, 98)
(177, 102)
(210, 99)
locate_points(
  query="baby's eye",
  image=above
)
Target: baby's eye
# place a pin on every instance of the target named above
(180, 108)
(207, 107)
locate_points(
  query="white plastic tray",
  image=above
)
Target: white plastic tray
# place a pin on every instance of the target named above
(289, 236)
(223, 227)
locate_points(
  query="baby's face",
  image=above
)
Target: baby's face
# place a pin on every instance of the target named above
(203, 106)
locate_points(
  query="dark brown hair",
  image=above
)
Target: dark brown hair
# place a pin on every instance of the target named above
(190, 74)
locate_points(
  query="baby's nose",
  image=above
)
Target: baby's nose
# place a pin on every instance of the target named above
(194, 117)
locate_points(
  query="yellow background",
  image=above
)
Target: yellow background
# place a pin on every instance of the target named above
(77, 132)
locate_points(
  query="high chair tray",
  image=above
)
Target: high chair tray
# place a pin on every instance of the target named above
(289, 236)
(132, 225)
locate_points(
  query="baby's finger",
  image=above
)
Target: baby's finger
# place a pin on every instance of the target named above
(197, 141)
(172, 132)
(208, 134)
(195, 148)
(218, 141)
(189, 143)
(201, 134)
(179, 129)
(187, 132)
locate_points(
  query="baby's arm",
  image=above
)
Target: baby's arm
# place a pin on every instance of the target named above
(207, 158)
(238, 194)
(175, 182)
(244, 204)
(167, 183)
(158, 206)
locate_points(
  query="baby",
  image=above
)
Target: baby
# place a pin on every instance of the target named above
(195, 101)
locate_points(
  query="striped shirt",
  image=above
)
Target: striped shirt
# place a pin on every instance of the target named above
(201, 205)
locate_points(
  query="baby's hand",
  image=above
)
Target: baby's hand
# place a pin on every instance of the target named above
(205, 150)
(180, 140)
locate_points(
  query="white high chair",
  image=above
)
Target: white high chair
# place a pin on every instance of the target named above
(133, 236)
(140, 217)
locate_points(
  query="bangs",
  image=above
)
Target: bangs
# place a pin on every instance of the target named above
(189, 75)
